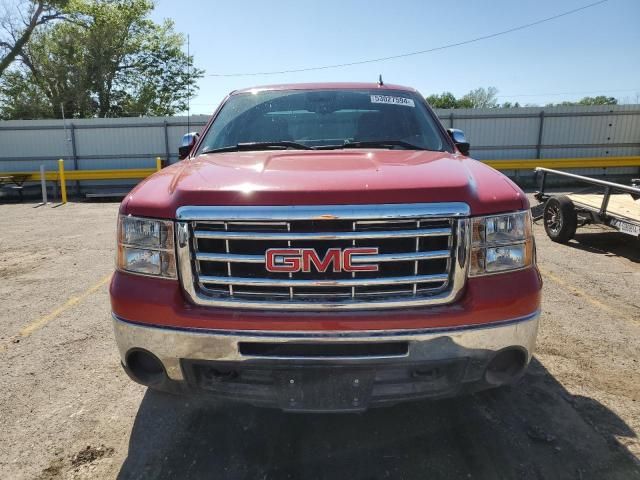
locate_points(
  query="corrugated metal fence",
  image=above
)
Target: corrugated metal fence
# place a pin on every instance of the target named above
(556, 132)
(92, 144)
(517, 133)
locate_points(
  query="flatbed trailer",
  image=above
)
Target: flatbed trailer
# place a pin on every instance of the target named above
(612, 204)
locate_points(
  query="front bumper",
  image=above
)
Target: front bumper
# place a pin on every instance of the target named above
(330, 371)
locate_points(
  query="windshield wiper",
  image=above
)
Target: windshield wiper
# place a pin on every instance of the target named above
(248, 146)
(373, 144)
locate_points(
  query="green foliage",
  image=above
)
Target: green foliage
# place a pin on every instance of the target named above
(481, 98)
(478, 98)
(487, 98)
(111, 61)
(599, 100)
(443, 100)
(27, 100)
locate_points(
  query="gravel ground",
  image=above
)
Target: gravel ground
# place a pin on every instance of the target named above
(67, 410)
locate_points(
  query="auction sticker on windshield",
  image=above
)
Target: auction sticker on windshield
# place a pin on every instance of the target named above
(407, 102)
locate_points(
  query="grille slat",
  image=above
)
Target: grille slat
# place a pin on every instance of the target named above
(416, 258)
(373, 234)
(354, 227)
(227, 250)
(416, 264)
(291, 292)
(347, 282)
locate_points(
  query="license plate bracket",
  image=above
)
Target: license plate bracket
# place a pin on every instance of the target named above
(322, 389)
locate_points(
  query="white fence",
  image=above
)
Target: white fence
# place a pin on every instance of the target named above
(517, 133)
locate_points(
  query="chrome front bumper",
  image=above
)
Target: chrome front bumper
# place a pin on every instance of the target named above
(479, 343)
(329, 372)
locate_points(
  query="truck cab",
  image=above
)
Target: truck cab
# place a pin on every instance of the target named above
(325, 248)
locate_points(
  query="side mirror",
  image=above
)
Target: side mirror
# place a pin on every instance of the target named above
(459, 140)
(188, 141)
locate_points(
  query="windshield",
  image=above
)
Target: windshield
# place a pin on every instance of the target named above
(325, 119)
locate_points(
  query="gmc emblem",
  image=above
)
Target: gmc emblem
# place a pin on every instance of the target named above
(300, 260)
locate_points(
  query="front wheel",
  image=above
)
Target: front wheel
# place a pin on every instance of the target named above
(560, 219)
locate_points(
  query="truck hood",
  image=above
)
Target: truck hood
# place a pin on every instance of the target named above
(328, 177)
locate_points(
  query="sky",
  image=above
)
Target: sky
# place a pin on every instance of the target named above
(592, 52)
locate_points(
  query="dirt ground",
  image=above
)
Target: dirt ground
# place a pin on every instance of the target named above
(68, 411)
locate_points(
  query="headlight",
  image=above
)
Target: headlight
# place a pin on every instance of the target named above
(501, 243)
(145, 246)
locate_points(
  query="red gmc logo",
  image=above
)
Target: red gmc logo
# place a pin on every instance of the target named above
(301, 259)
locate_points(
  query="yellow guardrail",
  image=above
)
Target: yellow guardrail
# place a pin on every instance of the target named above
(119, 174)
(560, 163)
(88, 174)
(63, 175)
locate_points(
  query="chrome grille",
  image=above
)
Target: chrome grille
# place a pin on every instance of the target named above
(422, 251)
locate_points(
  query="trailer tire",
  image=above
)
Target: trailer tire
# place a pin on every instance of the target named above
(560, 219)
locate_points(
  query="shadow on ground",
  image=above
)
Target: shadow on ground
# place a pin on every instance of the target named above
(607, 243)
(536, 430)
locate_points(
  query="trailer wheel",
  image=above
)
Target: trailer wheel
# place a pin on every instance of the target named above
(560, 219)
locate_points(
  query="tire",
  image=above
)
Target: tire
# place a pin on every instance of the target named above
(560, 219)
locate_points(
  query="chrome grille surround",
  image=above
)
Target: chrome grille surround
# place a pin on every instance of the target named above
(428, 276)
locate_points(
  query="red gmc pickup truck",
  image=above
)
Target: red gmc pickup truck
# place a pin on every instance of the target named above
(325, 247)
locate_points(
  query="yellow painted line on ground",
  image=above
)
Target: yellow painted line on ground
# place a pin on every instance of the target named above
(590, 299)
(41, 322)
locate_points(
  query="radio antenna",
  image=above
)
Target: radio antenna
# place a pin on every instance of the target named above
(380, 82)
(188, 85)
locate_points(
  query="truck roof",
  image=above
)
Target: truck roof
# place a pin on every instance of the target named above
(327, 86)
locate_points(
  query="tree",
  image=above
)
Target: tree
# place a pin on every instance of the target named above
(466, 102)
(27, 101)
(113, 61)
(56, 64)
(17, 26)
(478, 98)
(487, 98)
(481, 98)
(599, 100)
(510, 105)
(443, 100)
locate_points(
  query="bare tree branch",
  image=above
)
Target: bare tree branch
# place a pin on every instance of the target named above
(38, 16)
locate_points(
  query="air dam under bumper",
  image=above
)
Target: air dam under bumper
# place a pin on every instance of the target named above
(319, 371)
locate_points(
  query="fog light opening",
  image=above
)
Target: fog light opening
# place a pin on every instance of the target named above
(145, 367)
(505, 366)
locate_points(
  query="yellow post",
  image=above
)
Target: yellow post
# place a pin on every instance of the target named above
(158, 164)
(63, 185)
